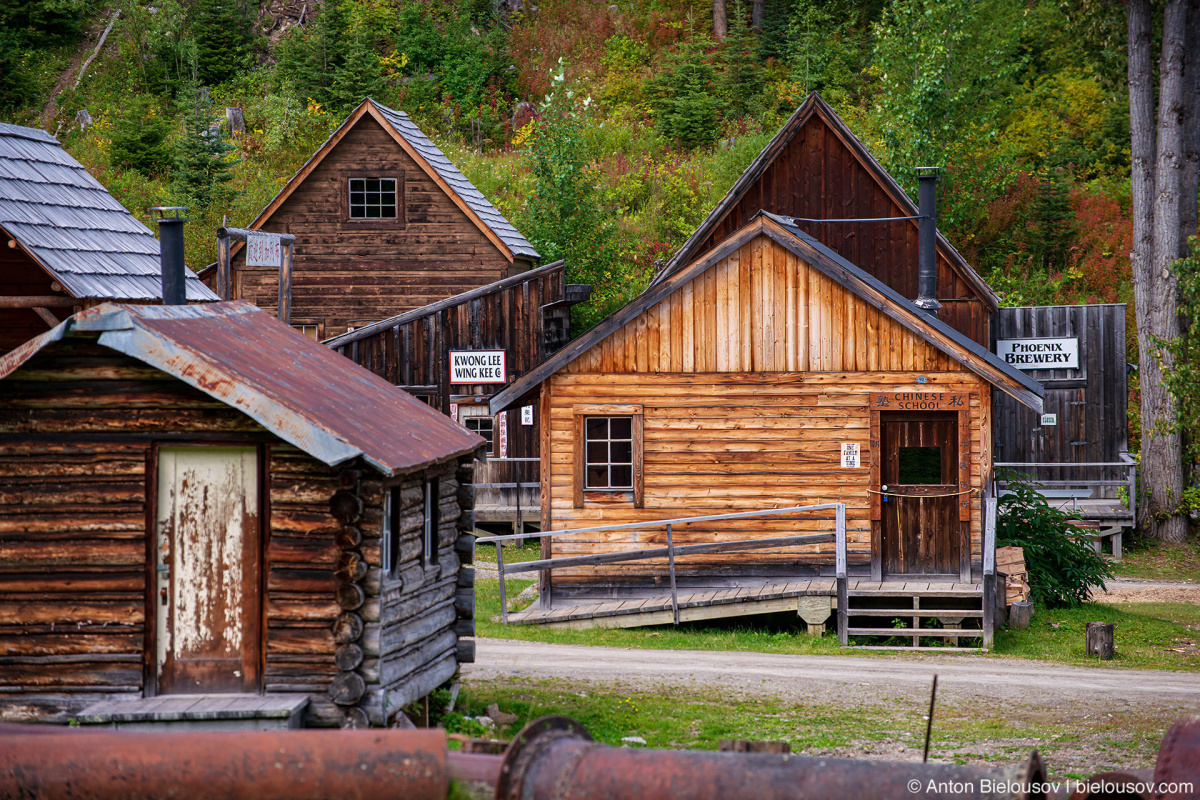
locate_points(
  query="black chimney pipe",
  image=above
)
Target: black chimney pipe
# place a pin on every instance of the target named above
(170, 247)
(927, 240)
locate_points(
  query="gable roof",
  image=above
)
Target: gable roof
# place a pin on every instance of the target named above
(815, 105)
(304, 393)
(435, 164)
(70, 225)
(876, 293)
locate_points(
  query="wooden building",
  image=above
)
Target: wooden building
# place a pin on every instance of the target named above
(816, 169)
(736, 384)
(1078, 448)
(68, 244)
(197, 501)
(384, 223)
(524, 319)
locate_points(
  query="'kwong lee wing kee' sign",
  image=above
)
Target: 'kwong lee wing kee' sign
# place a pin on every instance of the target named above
(477, 366)
(1040, 353)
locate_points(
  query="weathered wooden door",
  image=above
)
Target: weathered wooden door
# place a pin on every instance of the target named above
(207, 599)
(919, 518)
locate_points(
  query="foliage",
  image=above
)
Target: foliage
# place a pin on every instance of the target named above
(139, 139)
(687, 103)
(1183, 380)
(222, 36)
(742, 72)
(1061, 564)
(565, 217)
(28, 28)
(202, 158)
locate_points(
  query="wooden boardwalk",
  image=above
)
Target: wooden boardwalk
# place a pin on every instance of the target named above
(199, 712)
(718, 604)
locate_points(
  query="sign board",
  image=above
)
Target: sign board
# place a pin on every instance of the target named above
(1039, 353)
(477, 366)
(1049, 419)
(502, 434)
(850, 455)
(526, 415)
(263, 250)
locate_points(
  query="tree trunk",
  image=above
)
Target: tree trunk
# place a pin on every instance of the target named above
(756, 15)
(720, 20)
(1155, 201)
(1190, 183)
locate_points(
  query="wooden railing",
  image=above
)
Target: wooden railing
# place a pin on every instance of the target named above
(672, 550)
(1063, 487)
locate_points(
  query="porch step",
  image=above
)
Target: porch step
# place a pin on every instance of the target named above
(940, 632)
(192, 712)
(915, 612)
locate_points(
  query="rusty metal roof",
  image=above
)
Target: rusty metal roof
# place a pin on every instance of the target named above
(69, 224)
(301, 391)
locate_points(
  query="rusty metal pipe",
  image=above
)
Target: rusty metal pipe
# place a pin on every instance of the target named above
(553, 759)
(243, 765)
(475, 767)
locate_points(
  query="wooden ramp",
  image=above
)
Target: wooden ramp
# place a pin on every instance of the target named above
(698, 605)
(178, 712)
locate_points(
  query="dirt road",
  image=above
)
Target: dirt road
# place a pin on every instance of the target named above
(822, 678)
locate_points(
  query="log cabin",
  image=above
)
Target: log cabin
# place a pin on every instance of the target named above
(770, 373)
(209, 520)
(818, 173)
(521, 320)
(384, 224)
(68, 244)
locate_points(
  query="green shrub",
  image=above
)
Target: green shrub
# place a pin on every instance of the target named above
(1061, 564)
(139, 140)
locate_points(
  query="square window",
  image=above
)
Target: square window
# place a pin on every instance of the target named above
(373, 198)
(608, 453)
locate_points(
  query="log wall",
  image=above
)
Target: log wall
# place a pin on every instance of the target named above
(748, 379)
(78, 424)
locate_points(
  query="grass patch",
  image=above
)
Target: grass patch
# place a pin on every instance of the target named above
(1153, 560)
(670, 716)
(1148, 635)
(530, 550)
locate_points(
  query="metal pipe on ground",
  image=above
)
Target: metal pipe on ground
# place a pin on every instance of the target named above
(241, 765)
(554, 759)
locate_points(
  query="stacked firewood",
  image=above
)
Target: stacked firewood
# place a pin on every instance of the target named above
(1011, 562)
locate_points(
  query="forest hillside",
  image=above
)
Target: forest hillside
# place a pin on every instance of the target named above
(606, 132)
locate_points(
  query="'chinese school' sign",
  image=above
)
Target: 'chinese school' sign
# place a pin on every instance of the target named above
(263, 250)
(477, 366)
(1039, 353)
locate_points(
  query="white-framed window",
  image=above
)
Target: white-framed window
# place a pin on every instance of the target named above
(311, 331)
(476, 419)
(373, 198)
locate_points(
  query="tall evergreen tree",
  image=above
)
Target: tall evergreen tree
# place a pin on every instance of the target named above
(1052, 220)
(358, 74)
(202, 157)
(222, 31)
(741, 71)
(687, 106)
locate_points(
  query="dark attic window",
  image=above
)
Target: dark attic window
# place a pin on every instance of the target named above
(373, 198)
(920, 465)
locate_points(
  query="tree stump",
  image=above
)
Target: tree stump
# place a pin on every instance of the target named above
(1019, 615)
(1100, 640)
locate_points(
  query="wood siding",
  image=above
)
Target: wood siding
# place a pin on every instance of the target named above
(1091, 403)
(516, 319)
(817, 176)
(78, 431)
(20, 275)
(750, 377)
(349, 272)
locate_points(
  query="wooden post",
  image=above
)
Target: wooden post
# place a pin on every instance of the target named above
(224, 266)
(285, 285)
(500, 574)
(671, 569)
(1099, 640)
(843, 588)
(989, 570)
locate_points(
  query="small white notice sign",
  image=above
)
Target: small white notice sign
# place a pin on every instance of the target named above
(526, 415)
(263, 250)
(1039, 353)
(477, 366)
(1049, 419)
(850, 455)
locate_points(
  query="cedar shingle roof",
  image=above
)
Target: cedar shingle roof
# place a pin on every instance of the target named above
(67, 222)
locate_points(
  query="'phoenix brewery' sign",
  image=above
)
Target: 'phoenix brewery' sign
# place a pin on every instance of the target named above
(477, 366)
(1040, 353)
